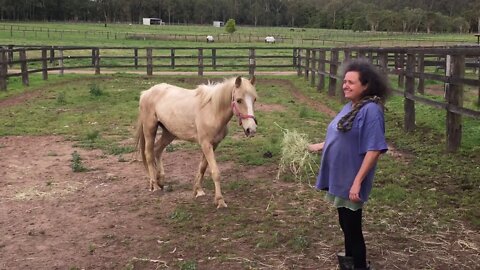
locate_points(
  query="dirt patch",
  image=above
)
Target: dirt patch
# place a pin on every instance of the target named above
(54, 218)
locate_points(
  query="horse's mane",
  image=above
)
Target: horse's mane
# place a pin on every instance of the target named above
(218, 93)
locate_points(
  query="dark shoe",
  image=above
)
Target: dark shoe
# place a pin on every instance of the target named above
(346, 263)
(369, 267)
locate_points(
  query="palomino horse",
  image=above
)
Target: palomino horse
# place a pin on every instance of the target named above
(200, 115)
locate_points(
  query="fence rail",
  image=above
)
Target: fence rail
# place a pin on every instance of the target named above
(455, 67)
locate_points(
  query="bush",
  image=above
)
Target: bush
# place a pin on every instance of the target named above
(230, 26)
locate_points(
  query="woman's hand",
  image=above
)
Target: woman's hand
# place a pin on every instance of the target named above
(316, 147)
(354, 194)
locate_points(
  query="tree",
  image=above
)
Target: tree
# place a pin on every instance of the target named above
(230, 26)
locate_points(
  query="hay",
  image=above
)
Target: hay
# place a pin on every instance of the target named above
(295, 157)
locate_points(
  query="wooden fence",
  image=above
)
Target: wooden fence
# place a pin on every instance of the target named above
(455, 67)
(412, 66)
(300, 39)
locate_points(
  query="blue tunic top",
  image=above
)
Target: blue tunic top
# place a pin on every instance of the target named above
(343, 152)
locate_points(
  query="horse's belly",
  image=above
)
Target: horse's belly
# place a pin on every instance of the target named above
(180, 123)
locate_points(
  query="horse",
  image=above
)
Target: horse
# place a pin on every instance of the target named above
(196, 115)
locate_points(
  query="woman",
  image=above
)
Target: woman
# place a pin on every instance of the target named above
(354, 141)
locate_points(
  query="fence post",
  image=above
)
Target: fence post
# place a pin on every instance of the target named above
(251, 62)
(214, 59)
(383, 61)
(307, 63)
(24, 67)
(93, 56)
(400, 67)
(454, 96)
(294, 57)
(52, 55)
(314, 65)
(299, 62)
(421, 70)
(200, 61)
(332, 85)
(10, 55)
(60, 61)
(149, 62)
(409, 103)
(44, 64)
(172, 58)
(348, 55)
(135, 57)
(3, 70)
(321, 70)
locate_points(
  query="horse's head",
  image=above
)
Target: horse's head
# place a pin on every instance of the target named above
(244, 96)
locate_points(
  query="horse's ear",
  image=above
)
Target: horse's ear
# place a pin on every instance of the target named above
(253, 80)
(238, 81)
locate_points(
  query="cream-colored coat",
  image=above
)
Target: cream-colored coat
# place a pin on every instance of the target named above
(200, 115)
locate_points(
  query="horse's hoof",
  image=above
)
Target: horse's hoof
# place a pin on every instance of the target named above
(199, 193)
(221, 204)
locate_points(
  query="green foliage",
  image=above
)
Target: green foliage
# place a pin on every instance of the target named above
(188, 265)
(77, 165)
(95, 90)
(180, 215)
(230, 26)
(93, 135)
(61, 98)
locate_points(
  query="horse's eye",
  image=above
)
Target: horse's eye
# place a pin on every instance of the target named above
(239, 101)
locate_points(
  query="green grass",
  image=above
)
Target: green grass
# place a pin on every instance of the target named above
(95, 34)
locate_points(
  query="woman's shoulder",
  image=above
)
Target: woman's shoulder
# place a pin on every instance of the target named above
(373, 107)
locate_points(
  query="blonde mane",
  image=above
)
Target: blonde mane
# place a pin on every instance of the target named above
(218, 93)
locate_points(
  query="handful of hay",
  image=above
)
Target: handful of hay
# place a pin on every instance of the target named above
(295, 157)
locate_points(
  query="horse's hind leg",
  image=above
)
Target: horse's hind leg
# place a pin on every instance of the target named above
(150, 131)
(160, 145)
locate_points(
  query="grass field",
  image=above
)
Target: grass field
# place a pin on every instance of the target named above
(89, 34)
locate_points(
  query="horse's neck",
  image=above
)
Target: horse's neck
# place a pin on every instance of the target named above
(223, 102)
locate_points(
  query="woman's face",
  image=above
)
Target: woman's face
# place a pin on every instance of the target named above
(352, 87)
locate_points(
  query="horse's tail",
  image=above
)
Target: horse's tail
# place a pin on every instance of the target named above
(140, 141)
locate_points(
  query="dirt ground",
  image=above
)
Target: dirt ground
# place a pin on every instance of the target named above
(54, 218)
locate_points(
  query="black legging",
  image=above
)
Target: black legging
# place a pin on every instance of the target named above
(351, 223)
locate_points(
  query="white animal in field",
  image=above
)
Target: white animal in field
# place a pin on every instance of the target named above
(210, 39)
(269, 39)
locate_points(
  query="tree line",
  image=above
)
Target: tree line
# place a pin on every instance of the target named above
(357, 15)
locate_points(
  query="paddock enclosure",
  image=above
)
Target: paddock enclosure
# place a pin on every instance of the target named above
(105, 218)
(456, 67)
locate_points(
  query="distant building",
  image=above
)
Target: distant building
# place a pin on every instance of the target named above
(152, 21)
(218, 23)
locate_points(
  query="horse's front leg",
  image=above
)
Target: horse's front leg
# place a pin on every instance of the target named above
(208, 149)
(197, 184)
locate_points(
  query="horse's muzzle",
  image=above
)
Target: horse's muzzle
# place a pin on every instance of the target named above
(249, 132)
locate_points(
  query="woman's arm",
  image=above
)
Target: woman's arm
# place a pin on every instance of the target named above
(370, 159)
(316, 147)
